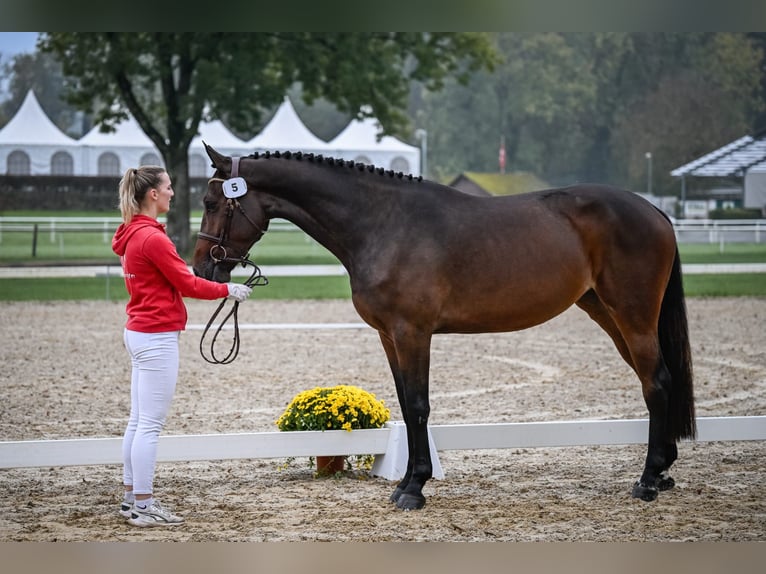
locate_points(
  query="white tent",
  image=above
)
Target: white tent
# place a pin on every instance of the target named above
(286, 132)
(216, 134)
(113, 152)
(31, 144)
(358, 142)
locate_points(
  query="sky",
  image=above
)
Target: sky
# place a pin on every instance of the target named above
(12, 43)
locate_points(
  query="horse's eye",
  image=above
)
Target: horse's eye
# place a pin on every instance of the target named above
(210, 206)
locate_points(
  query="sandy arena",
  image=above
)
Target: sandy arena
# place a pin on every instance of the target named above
(66, 375)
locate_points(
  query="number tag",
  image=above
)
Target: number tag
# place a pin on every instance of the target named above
(234, 187)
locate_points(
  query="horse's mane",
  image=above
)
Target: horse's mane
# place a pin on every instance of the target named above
(335, 162)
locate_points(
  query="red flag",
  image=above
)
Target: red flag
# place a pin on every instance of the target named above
(501, 155)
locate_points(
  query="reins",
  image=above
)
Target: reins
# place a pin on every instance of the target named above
(256, 279)
(219, 254)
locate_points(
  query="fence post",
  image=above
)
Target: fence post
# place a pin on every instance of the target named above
(34, 240)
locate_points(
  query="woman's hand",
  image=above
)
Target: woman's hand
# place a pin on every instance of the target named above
(239, 292)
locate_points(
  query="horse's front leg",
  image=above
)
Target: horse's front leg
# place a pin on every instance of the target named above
(412, 352)
(393, 361)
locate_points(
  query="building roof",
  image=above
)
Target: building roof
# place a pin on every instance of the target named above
(502, 183)
(362, 135)
(733, 159)
(285, 131)
(31, 126)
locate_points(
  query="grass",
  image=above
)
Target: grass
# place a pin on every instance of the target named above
(330, 287)
(290, 248)
(732, 253)
(113, 288)
(276, 248)
(725, 285)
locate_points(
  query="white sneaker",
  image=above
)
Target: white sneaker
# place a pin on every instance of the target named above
(153, 515)
(126, 509)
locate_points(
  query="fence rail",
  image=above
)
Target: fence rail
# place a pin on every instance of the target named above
(709, 229)
(720, 230)
(388, 444)
(80, 224)
(54, 229)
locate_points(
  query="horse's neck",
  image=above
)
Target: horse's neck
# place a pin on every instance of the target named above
(328, 209)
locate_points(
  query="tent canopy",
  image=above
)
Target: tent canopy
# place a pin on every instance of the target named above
(127, 134)
(31, 126)
(286, 131)
(362, 135)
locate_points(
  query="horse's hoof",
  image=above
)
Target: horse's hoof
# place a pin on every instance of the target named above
(410, 501)
(665, 481)
(395, 495)
(644, 492)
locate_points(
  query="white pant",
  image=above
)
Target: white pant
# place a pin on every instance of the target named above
(154, 359)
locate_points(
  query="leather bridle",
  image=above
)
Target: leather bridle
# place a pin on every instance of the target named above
(218, 251)
(219, 254)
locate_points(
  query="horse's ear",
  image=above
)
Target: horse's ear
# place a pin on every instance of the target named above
(218, 160)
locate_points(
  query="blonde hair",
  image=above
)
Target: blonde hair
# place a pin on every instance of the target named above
(133, 187)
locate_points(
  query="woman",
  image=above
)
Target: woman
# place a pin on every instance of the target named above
(157, 279)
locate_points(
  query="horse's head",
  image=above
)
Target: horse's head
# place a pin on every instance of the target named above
(232, 220)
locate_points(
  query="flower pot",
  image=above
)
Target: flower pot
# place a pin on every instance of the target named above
(329, 465)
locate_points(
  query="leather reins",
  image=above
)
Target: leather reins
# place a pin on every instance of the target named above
(219, 254)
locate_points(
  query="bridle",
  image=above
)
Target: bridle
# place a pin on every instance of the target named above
(219, 254)
(218, 251)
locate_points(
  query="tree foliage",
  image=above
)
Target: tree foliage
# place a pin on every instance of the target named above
(569, 106)
(42, 73)
(589, 106)
(170, 81)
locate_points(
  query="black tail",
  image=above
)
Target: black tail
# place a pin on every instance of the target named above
(673, 333)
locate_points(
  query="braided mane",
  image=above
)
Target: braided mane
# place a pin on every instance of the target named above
(332, 161)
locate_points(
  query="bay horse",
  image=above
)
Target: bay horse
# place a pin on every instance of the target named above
(424, 258)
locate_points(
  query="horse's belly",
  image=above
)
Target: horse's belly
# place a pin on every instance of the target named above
(512, 306)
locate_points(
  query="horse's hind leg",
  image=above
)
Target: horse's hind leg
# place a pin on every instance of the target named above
(592, 305)
(660, 452)
(636, 340)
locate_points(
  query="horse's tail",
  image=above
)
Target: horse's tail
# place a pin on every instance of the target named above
(673, 333)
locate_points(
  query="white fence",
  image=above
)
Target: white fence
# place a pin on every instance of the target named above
(719, 231)
(687, 230)
(388, 443)
(104, 225)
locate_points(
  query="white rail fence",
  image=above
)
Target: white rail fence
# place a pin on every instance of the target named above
(54, 228)
(687, 230)
(388, 444)
(720, 231)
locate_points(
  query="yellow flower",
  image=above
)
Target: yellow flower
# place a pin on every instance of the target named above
(341, 407)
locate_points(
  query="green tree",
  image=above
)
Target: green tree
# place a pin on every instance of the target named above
(588, 106)
(42, 73)
(171, 81)
(704, 90)
(534, 99)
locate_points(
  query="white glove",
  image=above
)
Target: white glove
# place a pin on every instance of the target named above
(239, 292)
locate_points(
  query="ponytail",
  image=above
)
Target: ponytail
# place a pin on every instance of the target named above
(133, 187)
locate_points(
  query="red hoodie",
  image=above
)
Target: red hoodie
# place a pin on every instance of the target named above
(156, 277)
